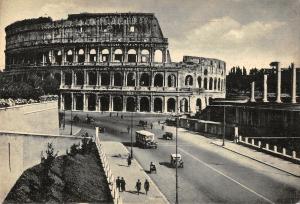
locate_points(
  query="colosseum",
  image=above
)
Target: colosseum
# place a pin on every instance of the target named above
(112, 62)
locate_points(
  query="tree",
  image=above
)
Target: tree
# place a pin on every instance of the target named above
(50, 85)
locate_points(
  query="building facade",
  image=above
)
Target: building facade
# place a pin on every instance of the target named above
(112, 62)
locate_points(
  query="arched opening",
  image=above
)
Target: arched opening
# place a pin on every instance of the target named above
(158, 56)
(210, 83)
(171, 105)
(171, 80)
(158, 80)
(189, 80)
(67, 101)
(81, 56)
(184, 105)
(145, 80)
(105, 55)
(104, 103)
(131, 55)
(92, 78)
(215, 84)
(118, 55)
(118, 79)
(219, 84)
(79, 101)
(93, 55)
(205, 83)
(79, 78)
(145, 56)
(199, 79)
(69, 56)
(57, 77)
(68, 78)
(131, 79)
(198, 105)
(130, 104)
(205, 72)
(91, 102)
(144, 104)
(117, 103)
(158, 105)
(105, 79)
(58, 57)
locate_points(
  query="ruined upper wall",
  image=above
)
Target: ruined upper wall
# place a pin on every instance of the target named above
(86, 27)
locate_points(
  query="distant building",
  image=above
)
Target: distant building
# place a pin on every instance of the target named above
(112, 62)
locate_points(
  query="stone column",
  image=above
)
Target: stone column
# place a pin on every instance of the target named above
(85, 102)
(73, 78)
(62, 78)
(44, 59)
(138, 55)
(125, 54)
(97, 103)
(98, 80)
(62, 101)
(164, 55)
(278, 93)
(84, 78)
(252, 99)
(74, 55)
(98, 53)
(265, 92)
(164, 105)
(62, 56)
(124, 103)
(293, 94)
(73, 105)
(86, 55)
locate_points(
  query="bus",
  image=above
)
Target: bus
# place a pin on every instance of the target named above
(145, 139)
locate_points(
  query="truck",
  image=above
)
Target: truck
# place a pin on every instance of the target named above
(145, 139)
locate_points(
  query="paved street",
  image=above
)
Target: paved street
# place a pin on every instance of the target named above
(210, 175)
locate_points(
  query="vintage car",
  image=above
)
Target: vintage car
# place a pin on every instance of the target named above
(168, 136)
(143, 123)
(173, 158)
(145, 139)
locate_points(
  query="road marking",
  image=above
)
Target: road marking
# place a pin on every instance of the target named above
(228, 177)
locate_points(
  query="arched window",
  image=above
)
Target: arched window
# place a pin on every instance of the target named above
(131, 55)
(118, 55)
(189, 80)
(158, 105)
(199, 81)
(105, 55)
(171, 80)
(184, 105)
(219, 84)
(69, 57)
(91, 102)
(158, 80)
(145, 80)
(171, 105)
(205, 83)
(215, 84)
(104, 103)
(130, 104)
(92, 78)
(205, 72)
(105, 79)
(158, 56)
(145, 56)
(131, 79)
(210, 83)
(144, 104)
(93, 56)
(117, 103)
(118, 79)
(81, 56)
(198, 104)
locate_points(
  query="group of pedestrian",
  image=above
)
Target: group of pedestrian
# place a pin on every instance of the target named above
(121, 184)
(138, 186)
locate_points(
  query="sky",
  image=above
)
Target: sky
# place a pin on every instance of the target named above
(250, 33)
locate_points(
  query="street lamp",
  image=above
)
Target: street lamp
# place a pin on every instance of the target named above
(71, 133)
(176, 152)
(131, 139)
(224, 125)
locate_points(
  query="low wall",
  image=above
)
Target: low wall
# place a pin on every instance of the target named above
(33, 118)
(110, 178)
(267, 149)
(20, 151)
(209, 127)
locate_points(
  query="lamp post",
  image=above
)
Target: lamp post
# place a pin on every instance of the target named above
(71, 133)
(224, 125)
(131, 129)
(176, 152)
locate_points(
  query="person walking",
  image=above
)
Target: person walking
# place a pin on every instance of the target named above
(138, 186)
(123, 184)
(118, 183)
(151, 126)
(128, 160)
(128, 128)
(146, 186)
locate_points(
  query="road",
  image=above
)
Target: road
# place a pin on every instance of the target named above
(210, 175)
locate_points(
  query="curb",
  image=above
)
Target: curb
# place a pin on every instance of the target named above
(148, 177)
(257, 160)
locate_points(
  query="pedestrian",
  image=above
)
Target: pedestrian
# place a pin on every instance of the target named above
(123, 184)
(138, 186)
(121, 116)
(146, 186)
(129, 160)
(128, 129)
(162, 127)
(118, 183)
(117, 114)
(151, 126)
(109, 114)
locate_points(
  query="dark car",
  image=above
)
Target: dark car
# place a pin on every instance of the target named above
(142, 123)
(168, 136)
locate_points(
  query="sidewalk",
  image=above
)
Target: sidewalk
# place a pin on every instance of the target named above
(275, 162)
(117, 154)
(261, 157)
(67, 130)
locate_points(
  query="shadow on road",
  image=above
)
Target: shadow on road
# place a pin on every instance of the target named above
(128, 144)
(167, 164)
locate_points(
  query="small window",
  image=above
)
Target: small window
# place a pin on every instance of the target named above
(131, 29)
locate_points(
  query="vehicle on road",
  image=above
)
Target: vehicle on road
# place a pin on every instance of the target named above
(152, 168)
(145, 139)
(76, 119)
(178, 158)
(89, 119)
(143, 123)
(171, 121)
(168, 136)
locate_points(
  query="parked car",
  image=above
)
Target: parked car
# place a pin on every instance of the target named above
(142, 123)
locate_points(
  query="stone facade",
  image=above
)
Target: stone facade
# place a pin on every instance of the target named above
(112, 62)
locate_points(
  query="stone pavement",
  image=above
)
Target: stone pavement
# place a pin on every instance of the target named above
(117, 154)
(261, 157)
